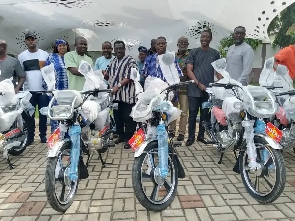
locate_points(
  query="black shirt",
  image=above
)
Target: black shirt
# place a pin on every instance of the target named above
(203, 70)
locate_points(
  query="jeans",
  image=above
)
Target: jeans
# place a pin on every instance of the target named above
(183, 103)
(125, 125)
(195, 104)
(42, 100)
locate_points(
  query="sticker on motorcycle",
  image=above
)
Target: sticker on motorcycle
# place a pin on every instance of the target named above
(53, 139)
(273, 132)
(137, 139)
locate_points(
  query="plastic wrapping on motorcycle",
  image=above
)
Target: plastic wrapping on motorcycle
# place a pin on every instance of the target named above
(267, 74)
(168, 67)
(231, 105)
(289, 107)
(48, 74)
(9, 109)
(251, 148)
(8, 94)
(162, 137)
(74, 133)
(90, 110)
(281, 115)
(143, 108)
(259, 101)
(220, 92)
(103, 118)
(66, 97)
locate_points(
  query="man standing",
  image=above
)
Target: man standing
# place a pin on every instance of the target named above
(240, 57)
(11, 68)
(142, 54)
(72, 61)
(286, 57)
(32, 60)
(118, 74)
(181, 100)
(103, 61)
(152, 50)
(200, 70)
(151, 64)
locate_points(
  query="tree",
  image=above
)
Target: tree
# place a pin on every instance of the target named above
(280, 26)
(226, 42)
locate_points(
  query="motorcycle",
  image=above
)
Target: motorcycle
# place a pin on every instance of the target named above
(239, 122)
(15, 110)
(85, 127)
(281, 85)
(153, 144)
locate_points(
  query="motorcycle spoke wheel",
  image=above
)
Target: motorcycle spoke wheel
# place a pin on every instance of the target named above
(64, 188)
(266, 183)
(156, 189)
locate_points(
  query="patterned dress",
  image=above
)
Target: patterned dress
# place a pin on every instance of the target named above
(61, 79)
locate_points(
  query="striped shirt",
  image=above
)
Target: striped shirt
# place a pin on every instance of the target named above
(118, 70)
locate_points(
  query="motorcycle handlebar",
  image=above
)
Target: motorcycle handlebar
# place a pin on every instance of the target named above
(292, 93)
(175, 86)
(226, 86)
(272, 87)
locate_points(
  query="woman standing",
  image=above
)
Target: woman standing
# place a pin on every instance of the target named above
(57, 59)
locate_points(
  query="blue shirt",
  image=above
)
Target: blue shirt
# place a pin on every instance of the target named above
(150, 68)
(140, 67)
(101, 63)
(61, 76)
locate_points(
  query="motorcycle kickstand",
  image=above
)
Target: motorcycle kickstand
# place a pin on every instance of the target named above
(220, 159)
(11, 166)
(103, 163)
(235, 153)
(88, 159)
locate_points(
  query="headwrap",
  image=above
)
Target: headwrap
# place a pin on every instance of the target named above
(143, 49)
(60, 42)
(2, 41)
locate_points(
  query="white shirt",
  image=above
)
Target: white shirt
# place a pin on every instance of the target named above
(32, 63)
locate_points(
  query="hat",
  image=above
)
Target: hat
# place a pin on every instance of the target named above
(60, 41)
(2, 42)
(30, 34)
(142, 49)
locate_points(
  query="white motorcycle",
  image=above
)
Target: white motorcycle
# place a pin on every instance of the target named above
(86, 127)
(240, 122)
(156, 158)
(14, 110)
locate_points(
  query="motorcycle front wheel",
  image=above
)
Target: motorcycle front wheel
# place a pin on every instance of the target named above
(267, 183)
(159, 193)
(56, 180)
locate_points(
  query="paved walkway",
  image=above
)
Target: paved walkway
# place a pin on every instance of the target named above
(209, 192)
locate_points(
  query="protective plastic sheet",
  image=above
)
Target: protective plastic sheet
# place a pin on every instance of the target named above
(267, 74)
(251, 148)
(7, 119)
(259, 101)
(289, 107)
(8, 94)
(102, 119)
(48, 73)
(74, 133)
(90, 110)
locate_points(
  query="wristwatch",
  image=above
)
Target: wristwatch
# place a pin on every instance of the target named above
(119, 85)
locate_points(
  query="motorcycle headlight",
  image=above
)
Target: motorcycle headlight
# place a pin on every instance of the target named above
(62, 111)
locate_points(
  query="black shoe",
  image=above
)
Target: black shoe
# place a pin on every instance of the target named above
(205, 141)
(115, 135)
(189, 142)
(43, 139)
(127, 146)
(119, 140)
(180, 137)
(29, 141)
